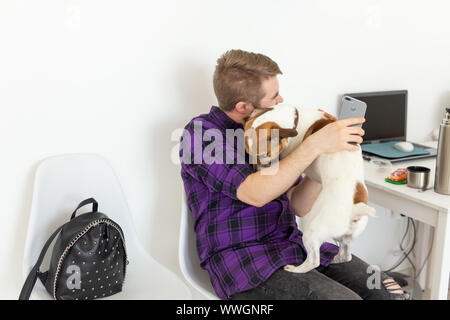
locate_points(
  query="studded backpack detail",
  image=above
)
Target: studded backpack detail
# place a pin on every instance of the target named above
(88, 261)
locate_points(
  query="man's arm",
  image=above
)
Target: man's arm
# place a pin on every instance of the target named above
(303, 196)
(259, 188)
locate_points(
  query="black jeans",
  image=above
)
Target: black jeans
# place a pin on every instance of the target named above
(341, 281)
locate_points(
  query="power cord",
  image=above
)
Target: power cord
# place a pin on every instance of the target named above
(398, 277)
(406, 254)
(412, 247)
(416, 273)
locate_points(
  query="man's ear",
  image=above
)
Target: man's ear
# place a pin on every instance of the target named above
(243, 107)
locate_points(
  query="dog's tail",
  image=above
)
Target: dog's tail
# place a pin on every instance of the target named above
(362, 209)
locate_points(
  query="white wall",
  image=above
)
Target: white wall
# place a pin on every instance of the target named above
(118, 77)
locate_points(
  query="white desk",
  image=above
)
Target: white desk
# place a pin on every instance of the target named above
(428, 207)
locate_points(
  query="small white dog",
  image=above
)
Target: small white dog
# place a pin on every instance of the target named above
(340, 212)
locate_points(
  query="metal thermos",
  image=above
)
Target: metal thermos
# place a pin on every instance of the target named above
(442, 175)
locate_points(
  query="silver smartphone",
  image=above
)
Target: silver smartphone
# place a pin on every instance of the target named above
(352, 108)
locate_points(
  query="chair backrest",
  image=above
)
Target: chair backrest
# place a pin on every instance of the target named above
(188, 258)
(60, 184)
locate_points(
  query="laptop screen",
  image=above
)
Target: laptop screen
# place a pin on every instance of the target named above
(385, 115)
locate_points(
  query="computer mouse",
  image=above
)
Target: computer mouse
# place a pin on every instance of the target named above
(404, 146)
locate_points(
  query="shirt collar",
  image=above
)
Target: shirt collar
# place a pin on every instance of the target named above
(223, 120)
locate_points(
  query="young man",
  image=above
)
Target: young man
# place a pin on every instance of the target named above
(245, 220)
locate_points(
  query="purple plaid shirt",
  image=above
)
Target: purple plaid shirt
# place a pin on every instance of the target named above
(238, 244)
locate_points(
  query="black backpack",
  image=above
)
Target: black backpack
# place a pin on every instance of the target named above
(88, 261)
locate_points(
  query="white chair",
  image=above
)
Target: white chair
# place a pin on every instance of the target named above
(61, 182)
(189, 262)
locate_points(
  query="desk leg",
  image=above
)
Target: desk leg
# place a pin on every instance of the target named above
(440, 268)
(422, 252)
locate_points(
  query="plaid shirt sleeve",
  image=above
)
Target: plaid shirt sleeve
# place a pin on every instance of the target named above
(219, 176)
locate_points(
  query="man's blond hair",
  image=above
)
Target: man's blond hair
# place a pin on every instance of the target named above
(238, 77)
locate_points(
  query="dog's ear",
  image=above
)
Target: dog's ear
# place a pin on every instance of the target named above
(258, 140)
(316, 126)
(261, 136)
(250, 137)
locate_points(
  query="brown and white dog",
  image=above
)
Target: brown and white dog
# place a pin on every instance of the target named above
(340, 211)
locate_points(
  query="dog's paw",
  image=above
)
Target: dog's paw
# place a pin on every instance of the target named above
(303, 268)
(290, 268)
(348, 257)
(342, 258)
(337, 259)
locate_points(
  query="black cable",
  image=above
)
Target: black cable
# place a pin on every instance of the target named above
(404, 235)
(398, 277)
(406, 255)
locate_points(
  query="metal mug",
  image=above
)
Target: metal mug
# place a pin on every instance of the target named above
(418, 177)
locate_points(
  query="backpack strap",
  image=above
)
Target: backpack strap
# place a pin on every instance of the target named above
(35, 273)
(85, 202)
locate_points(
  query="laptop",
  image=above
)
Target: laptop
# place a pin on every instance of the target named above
(386, 120)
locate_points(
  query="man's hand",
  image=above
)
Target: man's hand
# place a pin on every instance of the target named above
(302, 196)
(335, 136)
